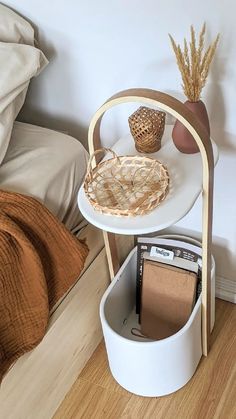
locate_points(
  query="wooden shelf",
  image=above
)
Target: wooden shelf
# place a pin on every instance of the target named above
(185, 186)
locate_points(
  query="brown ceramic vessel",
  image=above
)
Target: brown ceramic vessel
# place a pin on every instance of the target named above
(182, 138)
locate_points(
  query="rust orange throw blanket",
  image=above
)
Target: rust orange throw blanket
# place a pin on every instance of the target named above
(39, 261)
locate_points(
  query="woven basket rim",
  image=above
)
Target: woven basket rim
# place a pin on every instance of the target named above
(148, 204)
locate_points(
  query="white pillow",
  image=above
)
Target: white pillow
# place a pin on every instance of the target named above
(14, 28)
(19, 62)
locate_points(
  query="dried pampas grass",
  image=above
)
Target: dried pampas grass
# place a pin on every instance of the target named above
(193, 63)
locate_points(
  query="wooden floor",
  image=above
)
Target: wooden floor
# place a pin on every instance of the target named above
(210, 394)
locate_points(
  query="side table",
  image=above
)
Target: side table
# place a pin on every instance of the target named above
(190, 175)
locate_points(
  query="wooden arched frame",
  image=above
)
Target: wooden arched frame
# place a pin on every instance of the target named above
(188, 119)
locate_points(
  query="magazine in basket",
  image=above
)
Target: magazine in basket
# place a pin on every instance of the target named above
(173, 252)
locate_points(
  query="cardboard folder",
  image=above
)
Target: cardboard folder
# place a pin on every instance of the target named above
(167, 298)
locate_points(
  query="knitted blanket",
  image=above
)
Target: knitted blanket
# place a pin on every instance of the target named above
(39, 261)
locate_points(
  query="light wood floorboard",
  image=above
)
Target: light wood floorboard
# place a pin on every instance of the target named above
(210, 394)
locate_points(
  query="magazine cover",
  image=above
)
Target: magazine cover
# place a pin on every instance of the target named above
(174, 252)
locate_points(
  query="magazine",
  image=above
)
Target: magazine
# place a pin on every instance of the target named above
(170, 251)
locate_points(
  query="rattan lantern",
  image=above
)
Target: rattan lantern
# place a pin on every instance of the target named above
(147, 128)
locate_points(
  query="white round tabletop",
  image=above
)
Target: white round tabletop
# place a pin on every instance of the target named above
(185, 172)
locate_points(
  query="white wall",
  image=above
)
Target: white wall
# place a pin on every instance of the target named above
(99, 47)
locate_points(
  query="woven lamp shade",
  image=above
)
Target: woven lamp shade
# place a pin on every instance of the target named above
(147, 128)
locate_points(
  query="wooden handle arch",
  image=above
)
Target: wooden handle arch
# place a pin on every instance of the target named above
(176, 108)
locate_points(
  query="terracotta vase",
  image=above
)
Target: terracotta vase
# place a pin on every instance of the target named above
(182, 138)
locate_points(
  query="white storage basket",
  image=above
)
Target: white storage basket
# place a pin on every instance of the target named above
(145, 367)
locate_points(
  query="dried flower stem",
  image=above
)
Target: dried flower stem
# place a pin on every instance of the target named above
(193, 64)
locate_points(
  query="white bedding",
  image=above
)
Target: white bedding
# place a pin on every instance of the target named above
(34, 161)
(20, 60)
(48, 165)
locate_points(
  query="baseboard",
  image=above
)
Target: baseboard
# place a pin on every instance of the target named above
(226, 289)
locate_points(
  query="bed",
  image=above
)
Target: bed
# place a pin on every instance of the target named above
(50, 167)
(47, 372)
(38, 382)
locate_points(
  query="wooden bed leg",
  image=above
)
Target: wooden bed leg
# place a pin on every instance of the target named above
(112, 254)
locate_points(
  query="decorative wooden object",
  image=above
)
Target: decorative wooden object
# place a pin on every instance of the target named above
(126, 185)
(147, 127)
(178, 110)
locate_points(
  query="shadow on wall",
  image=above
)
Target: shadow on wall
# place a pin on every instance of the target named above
(114, 124)
(215, 101)
(58, 123)
(54, 95)
(224, 257)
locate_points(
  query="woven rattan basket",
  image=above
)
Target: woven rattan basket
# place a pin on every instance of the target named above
(147, 128)
(126, 185)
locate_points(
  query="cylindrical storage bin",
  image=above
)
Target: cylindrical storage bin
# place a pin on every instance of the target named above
(145, 367)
